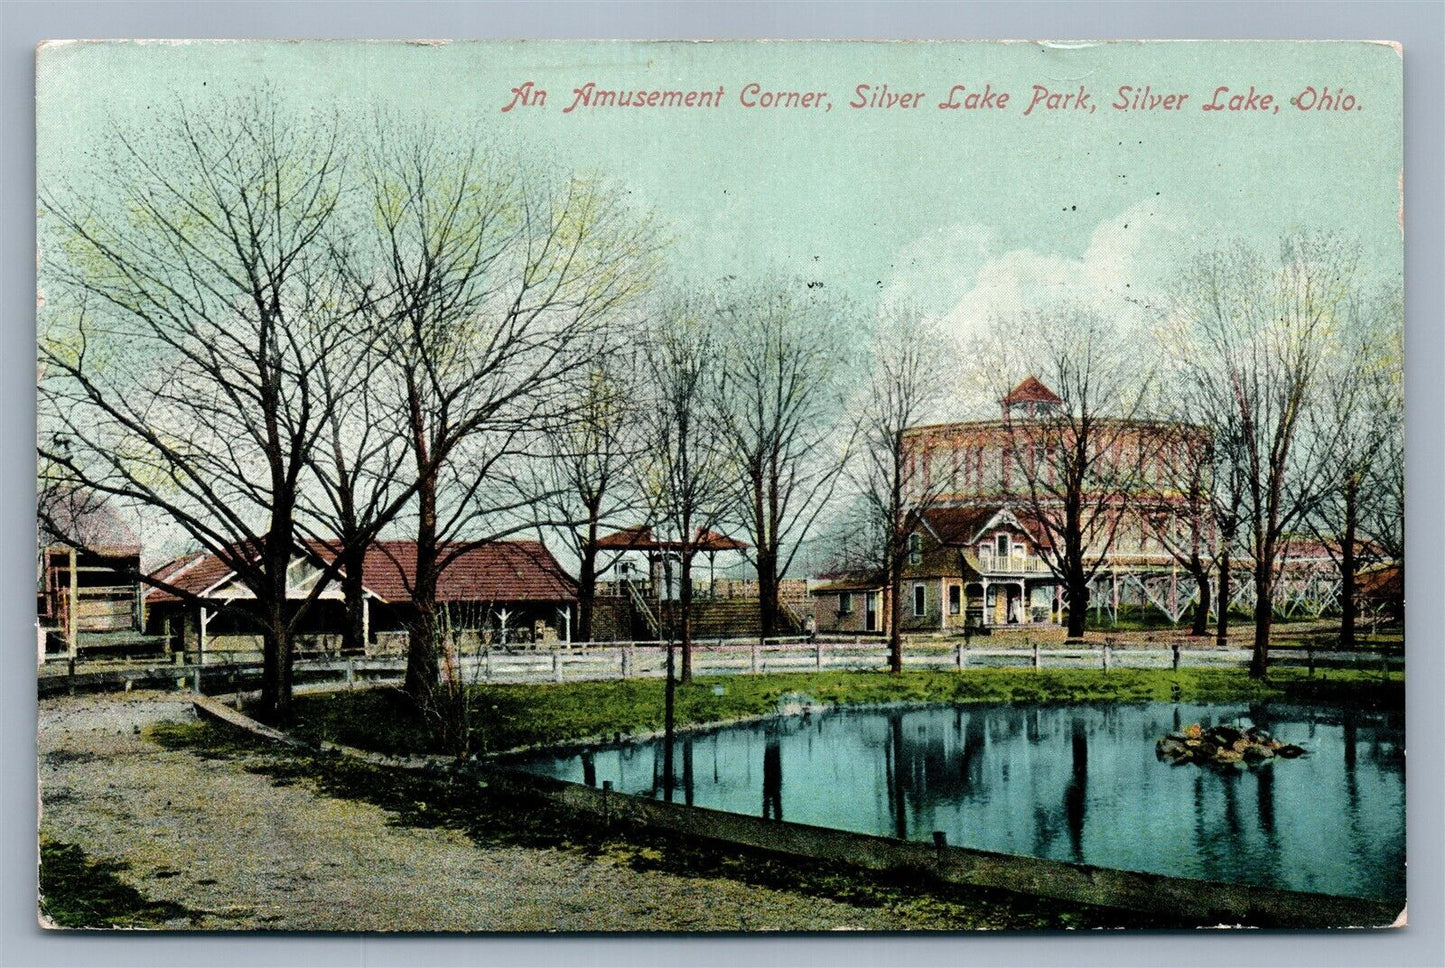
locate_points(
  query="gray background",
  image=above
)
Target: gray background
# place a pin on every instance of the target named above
(1420, 26)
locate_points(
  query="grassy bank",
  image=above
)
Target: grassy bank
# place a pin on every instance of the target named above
(77, 891)
(509, 716)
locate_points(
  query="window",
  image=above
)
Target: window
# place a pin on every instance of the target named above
(955, 599)
(915, 549)
(1003, 546)
(845, 603)
(920, 599)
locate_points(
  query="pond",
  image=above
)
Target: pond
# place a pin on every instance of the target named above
(1072, 783)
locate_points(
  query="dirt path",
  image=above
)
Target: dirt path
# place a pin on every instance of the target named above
(247, 853)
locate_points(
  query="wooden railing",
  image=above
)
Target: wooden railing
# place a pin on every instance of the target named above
(623, 660)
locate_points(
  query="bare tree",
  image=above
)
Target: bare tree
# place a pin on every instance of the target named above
(784, 420)
(192, 304)
(494, 283)
(355, 465)
(1073, 462)
(1358, 415)
(586, 483)
(1383, 515)
(686, 473)
(1177, 488)
(1262, 331)
(892, 479)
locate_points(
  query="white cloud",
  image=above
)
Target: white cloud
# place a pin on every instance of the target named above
(975, 289)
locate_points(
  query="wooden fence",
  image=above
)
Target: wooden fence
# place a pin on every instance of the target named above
(576, 663)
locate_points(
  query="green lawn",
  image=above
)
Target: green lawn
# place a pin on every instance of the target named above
(509, 716)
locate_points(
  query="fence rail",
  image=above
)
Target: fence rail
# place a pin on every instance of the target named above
(571, 663)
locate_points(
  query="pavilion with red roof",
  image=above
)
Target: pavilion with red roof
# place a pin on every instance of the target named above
(659, 551)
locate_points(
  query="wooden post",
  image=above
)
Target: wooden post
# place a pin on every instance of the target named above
(350, 673)
(1108, 656)
(1175, 646)
(1038, 661)
(72, 623)
(958, 659)
(556, 665)
(818, 654)
(1310, 656)
(201, 637)
(365, 622)
(626, 661)
(757, 656)
(1114, 574)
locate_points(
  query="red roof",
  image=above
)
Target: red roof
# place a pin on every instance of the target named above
(192, 574)
(1381, 582)
(499, 571)
(960, 525)
(1032, 391)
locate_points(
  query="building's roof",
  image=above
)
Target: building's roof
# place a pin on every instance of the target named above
(1383, 581)
(641, 538)
(498, 571)
(192, 574)
(851, 582)
(1031, 391)
(960, 525)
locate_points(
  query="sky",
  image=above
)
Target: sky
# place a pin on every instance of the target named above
(968, 214)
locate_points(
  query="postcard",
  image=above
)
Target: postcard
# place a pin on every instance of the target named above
(720, 486)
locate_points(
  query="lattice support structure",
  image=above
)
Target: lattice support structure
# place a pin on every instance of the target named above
(1300, 591)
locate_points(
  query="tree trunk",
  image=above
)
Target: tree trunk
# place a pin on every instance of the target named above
(684, 593)
(669, 722)
(276, 639)
(1263, 619)
(767, 591)
(353, 632)
(276, 665)
(895, 614)
(422, 668)
(1348, 565)
(1222, 625)
(587, 587)
(1200, 627)
(1078, 605)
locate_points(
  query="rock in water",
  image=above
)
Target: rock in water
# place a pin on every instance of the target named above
(1223, 745)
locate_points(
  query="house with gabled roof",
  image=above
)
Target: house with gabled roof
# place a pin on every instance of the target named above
(498, 591)
(968, 567)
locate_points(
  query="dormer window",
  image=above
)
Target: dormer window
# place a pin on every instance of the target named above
(915, 549)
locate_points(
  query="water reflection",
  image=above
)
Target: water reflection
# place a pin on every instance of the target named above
(773, 777)
(1075, 794)
(1070, 783)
